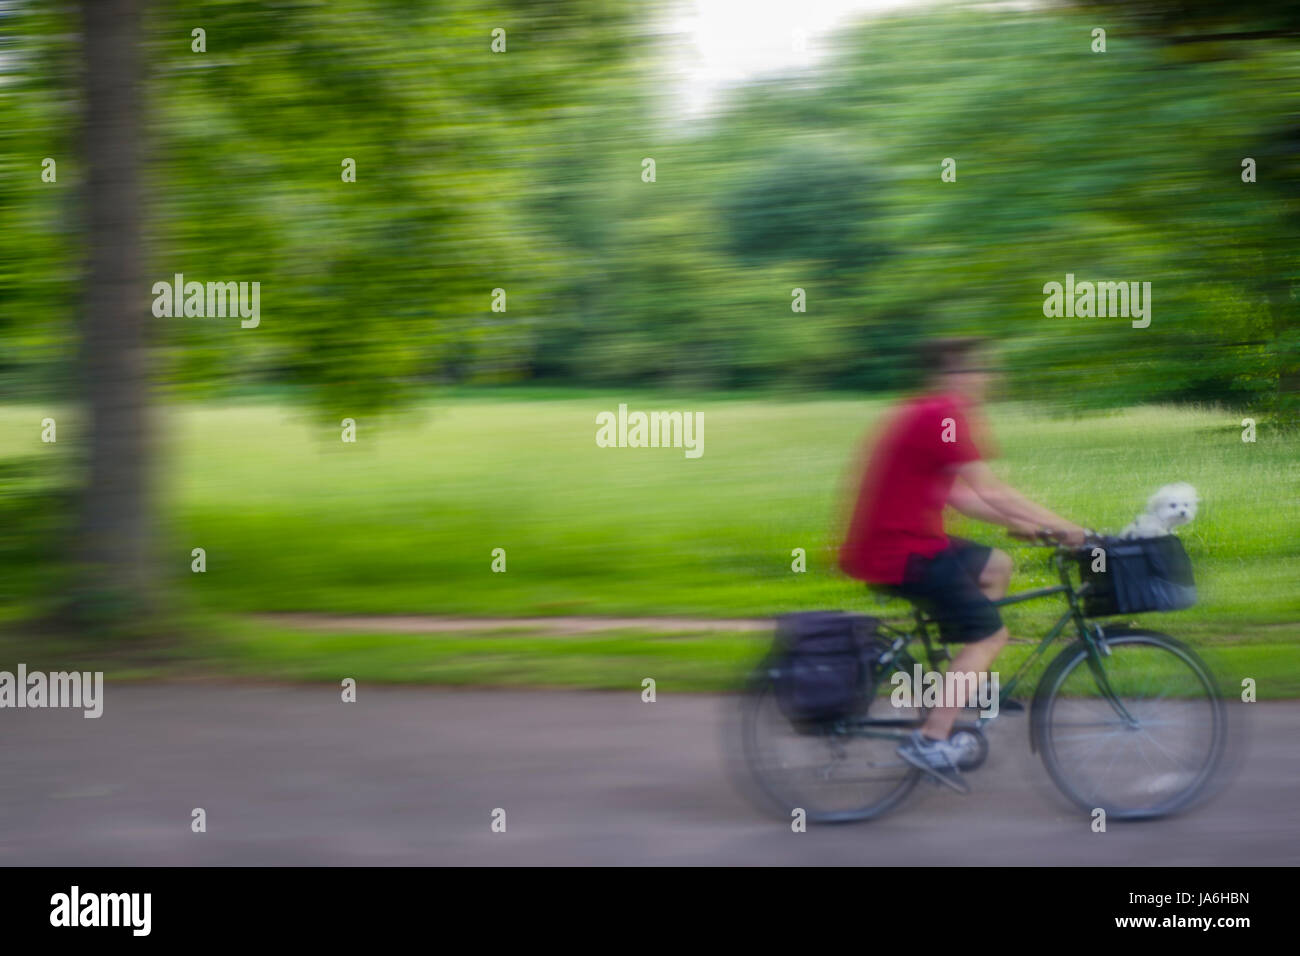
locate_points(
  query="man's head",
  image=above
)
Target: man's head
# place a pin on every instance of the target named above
(962, 365)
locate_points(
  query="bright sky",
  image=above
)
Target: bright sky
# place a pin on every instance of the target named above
(728, 42)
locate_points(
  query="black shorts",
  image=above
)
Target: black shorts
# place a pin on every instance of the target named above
(947, 588)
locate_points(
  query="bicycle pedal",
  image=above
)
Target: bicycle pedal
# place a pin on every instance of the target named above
(950, 782)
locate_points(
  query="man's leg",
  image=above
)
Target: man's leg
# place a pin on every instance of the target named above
(978, 656)
(995, 577)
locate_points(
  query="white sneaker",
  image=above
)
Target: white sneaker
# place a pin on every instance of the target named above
(939, 758)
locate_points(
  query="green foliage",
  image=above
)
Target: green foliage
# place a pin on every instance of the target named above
(522, 171)
(804, 204)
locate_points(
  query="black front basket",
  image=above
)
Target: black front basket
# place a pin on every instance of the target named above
(1144, 574)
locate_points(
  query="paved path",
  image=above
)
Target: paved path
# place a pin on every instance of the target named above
(291, 775)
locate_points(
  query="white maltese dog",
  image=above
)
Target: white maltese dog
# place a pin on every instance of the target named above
(1169, 507)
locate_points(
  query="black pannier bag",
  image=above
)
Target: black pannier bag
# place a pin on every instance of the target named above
(822, 664)
(1142, 574)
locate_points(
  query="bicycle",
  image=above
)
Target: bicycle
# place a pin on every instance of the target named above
(1090, 709)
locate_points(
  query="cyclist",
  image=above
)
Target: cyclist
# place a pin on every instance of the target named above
(929, 455)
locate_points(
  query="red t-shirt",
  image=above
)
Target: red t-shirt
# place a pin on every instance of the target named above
(899, 511)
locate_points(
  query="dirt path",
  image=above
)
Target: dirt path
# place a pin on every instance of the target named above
(440, 624)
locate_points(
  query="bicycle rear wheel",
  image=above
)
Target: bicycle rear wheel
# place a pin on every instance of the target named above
(1154, 753)
(840, 772)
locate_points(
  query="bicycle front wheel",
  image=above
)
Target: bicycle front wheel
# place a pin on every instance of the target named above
(1138, 733)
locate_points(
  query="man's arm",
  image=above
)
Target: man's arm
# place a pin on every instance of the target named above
(965, 500)
(1015, 509)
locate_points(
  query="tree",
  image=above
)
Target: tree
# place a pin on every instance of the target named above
(1211, 30)
(115, 533)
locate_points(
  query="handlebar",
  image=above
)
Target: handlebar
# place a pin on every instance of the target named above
(1047, 537)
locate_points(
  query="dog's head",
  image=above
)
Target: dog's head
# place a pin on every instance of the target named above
(1174, 504)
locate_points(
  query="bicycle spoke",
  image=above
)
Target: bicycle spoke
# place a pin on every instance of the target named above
(1157, 761)
(847, 771)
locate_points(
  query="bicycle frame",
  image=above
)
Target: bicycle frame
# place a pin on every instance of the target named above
(1089, 634)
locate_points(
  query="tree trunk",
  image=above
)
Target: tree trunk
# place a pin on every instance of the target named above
(115, 537)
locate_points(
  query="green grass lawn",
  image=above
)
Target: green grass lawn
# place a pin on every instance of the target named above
(405, 520)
